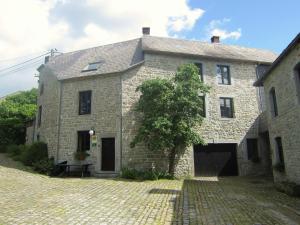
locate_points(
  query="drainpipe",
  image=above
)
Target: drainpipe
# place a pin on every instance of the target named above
(121, 121)
(59, 119)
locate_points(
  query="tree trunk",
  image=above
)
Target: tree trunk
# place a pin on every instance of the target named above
(172, 162)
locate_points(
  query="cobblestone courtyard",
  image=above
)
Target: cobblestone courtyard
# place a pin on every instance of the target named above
(27, 198)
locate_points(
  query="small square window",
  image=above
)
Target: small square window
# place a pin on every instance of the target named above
(91, 67)
(85, 102)
(226, 107)
(223, 75)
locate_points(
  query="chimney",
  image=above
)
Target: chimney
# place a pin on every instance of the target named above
(146, 30)
(47, 59)
(215, 39)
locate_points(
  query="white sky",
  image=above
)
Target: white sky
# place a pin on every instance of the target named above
(31, 27)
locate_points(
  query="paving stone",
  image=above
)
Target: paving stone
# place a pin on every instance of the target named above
(28, 198)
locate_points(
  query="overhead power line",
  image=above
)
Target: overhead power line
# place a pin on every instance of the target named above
(29, 60)
(24, 67)
(20, 57)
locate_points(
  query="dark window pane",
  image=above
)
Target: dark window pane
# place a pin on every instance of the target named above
(83, 141)
(40, 116)
(279, 149)
(226, 107)
(273, 101)
(199, 65)
(85, 102)
(252, 148)
(223, 74)
(91, 66)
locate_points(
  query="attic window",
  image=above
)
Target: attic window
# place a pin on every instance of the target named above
(91, 67)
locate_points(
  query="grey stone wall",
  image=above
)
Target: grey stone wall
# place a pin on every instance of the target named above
(113, 100)
(214, 129)
(287, 124)
(105, 116)
(49, 100)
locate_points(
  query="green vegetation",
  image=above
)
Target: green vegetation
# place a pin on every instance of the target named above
(35, 156)
(15, 110)
(144, 175)
(170, 110)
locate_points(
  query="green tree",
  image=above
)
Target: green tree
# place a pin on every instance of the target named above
(15, 110)
(170, 110)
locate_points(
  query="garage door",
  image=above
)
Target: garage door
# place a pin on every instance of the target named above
(215, 160)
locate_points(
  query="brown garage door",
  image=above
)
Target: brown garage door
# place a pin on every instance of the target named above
(215, 160)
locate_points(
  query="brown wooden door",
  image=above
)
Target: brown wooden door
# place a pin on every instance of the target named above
(108, 154)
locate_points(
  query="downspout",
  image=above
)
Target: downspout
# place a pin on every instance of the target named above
(59, 119)
(121, 121)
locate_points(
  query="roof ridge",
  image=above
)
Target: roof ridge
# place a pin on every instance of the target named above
(85, 49)
(208, 43)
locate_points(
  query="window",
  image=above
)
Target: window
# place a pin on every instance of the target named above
(85, 102)
(252, 149)
(199, 66)
(226, 107)
(279, 150)
(273, 102)
(42, 88)
(40, 116)
(202, 97)
(83, 143)
(91, 67)
(223, 75)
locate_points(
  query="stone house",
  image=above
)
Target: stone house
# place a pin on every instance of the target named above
(281, 83)
(95, 89)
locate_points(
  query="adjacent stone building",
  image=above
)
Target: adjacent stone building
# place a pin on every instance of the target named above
(95, 90)
(281, 83)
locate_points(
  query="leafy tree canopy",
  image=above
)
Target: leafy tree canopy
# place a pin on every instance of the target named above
(170, 110)
(19, 107)
(15, 110)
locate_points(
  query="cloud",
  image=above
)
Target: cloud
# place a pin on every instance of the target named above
(216, 28)
(34, 26)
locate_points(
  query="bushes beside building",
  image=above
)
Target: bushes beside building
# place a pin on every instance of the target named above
(35, 155)
(144, 175)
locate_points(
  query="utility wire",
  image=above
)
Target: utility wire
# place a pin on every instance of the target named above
(27, 66)
(20, 57)
(23, 62)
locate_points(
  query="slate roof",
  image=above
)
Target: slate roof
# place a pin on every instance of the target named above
(121, 56)
(284, 53)
(113, 58)
(206, 49)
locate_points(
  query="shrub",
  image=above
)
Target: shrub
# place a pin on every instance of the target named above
(44, 166)
(279, 167)
(144, 175)
(13, 150)
(289, 188)
(130, 173)
(34, 153)
(2, 148)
